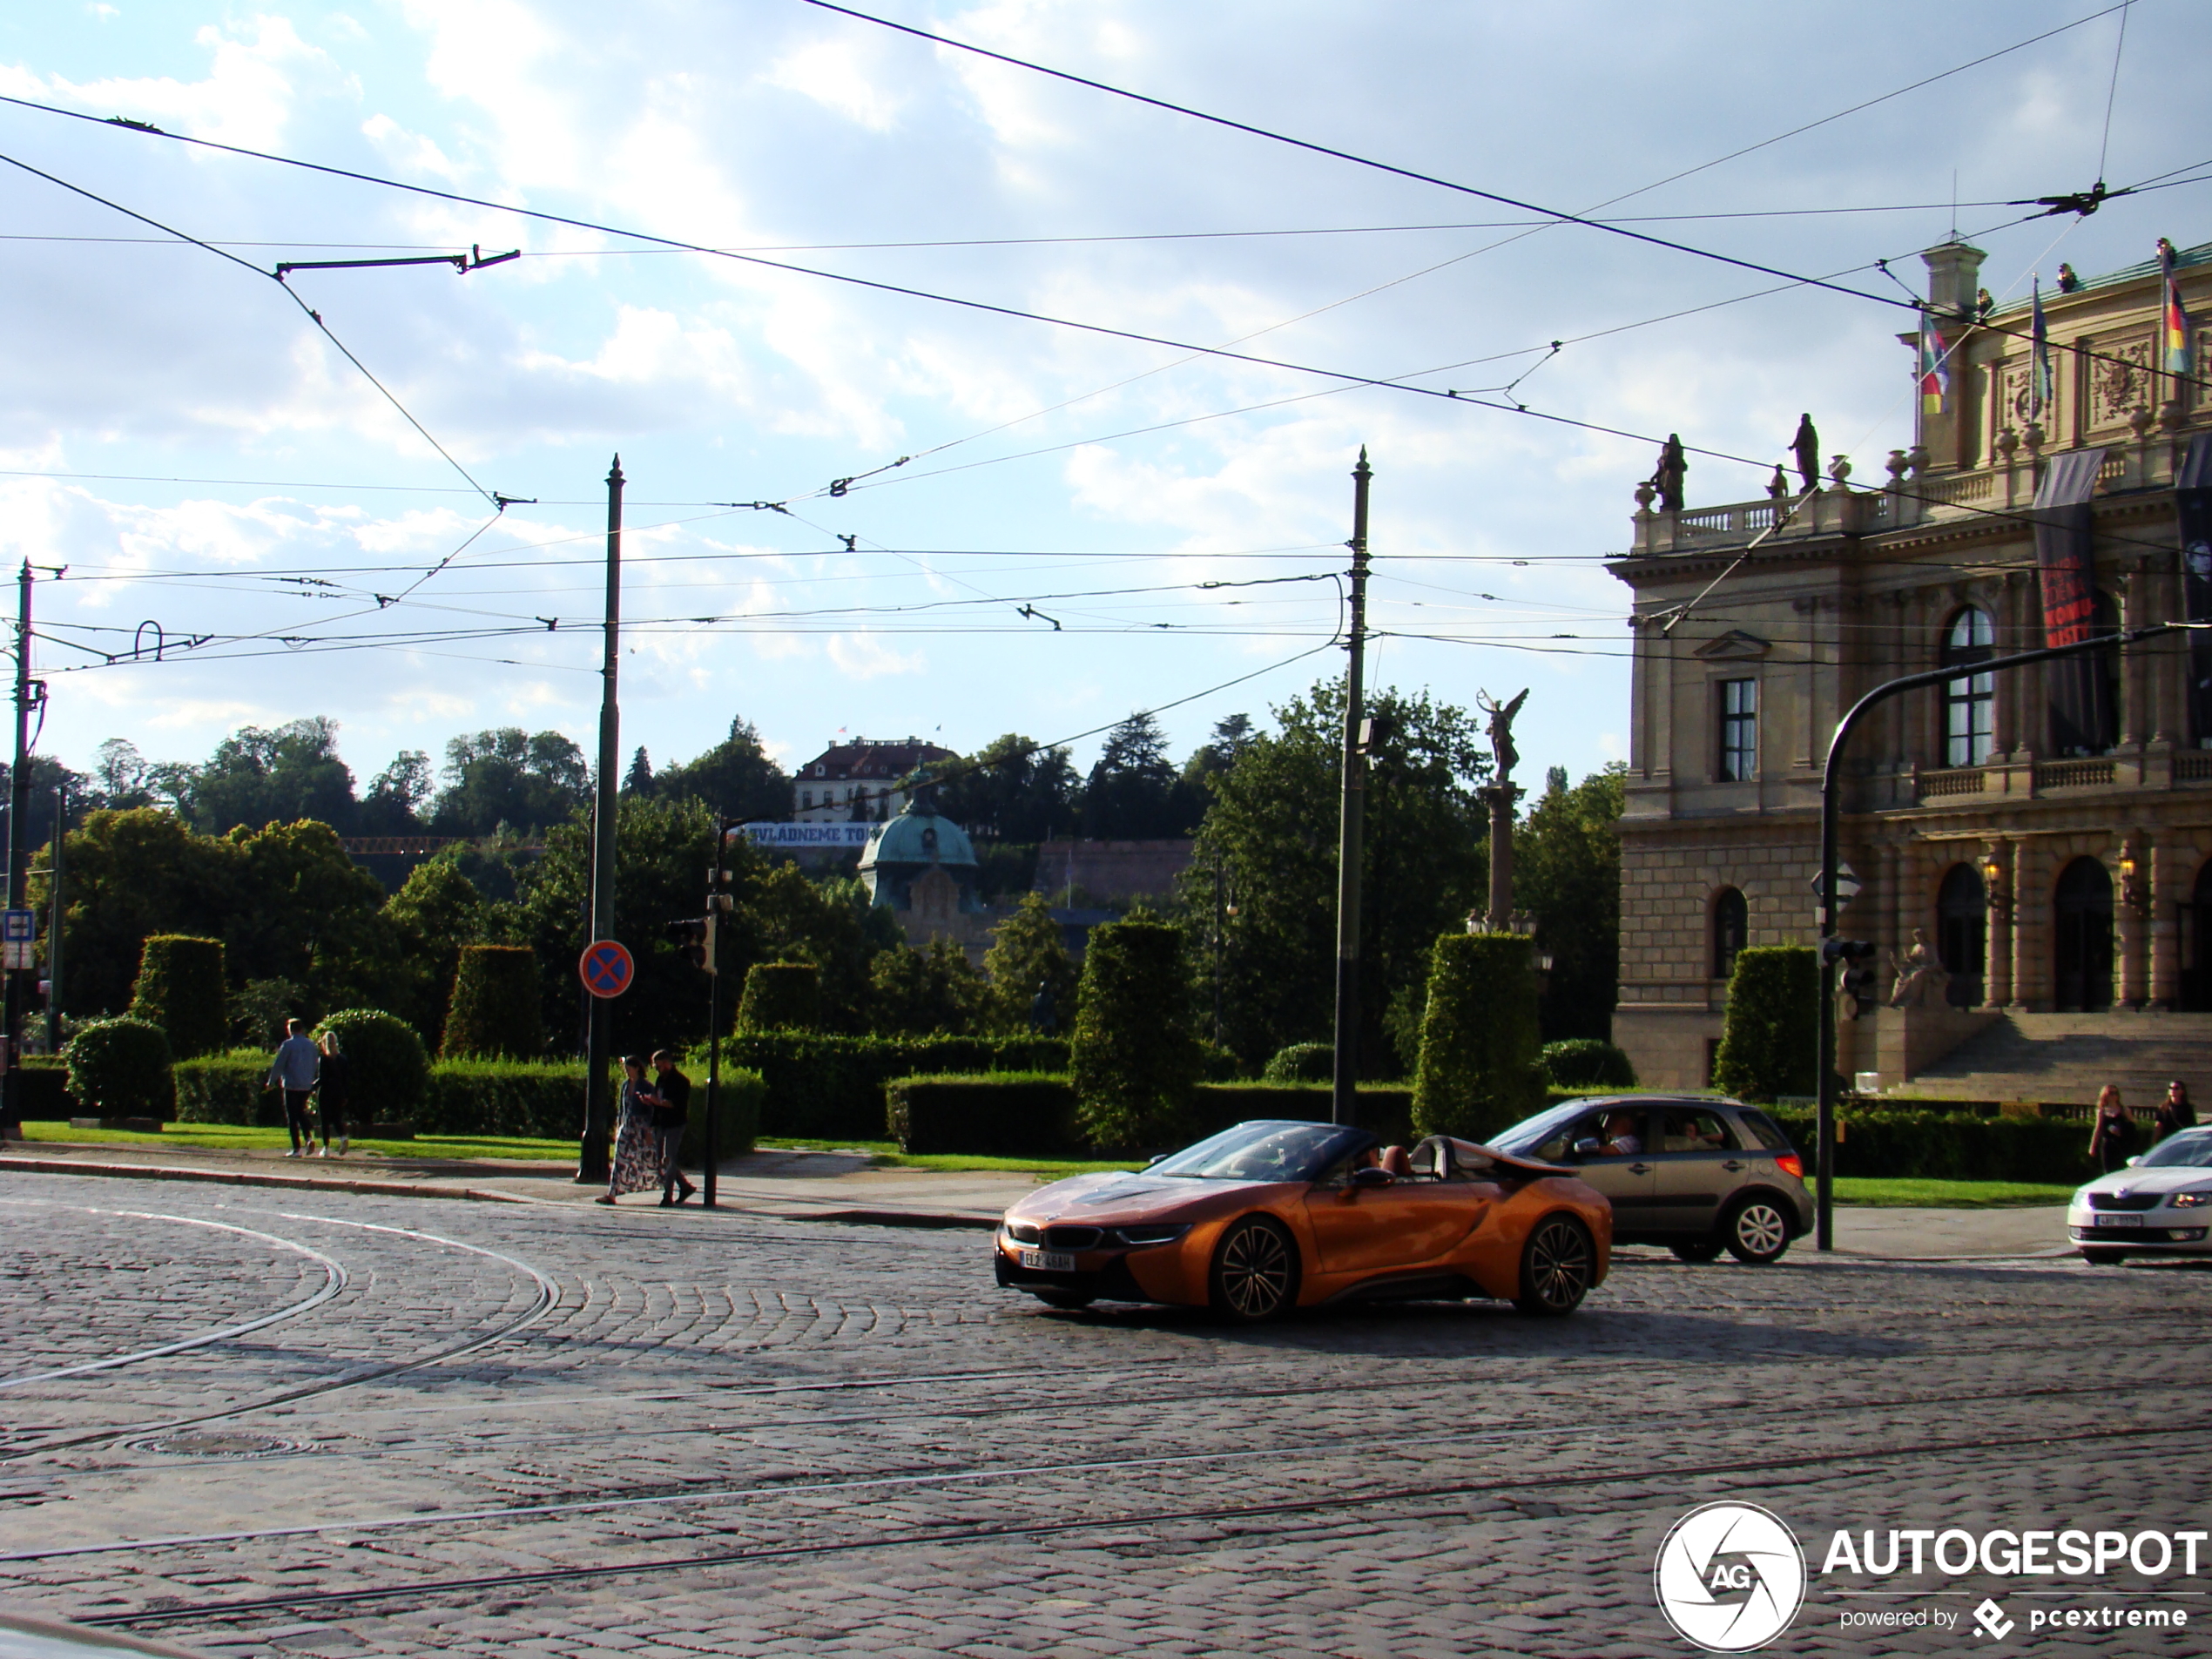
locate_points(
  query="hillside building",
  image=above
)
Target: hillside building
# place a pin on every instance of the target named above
(856, 780)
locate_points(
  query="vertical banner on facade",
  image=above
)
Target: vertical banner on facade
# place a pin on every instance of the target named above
(2193, 508)
(2082, 712)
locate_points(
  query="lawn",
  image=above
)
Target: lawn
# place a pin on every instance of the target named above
(227, 1138)
(888, 1156)
(1944, 1195)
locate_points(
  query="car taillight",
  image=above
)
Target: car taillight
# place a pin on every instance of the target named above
(1792, 1165)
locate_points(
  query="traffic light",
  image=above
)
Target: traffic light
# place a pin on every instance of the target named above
(1856, 958)
(694, 936)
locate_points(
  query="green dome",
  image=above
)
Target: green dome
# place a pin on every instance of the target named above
(919, 838)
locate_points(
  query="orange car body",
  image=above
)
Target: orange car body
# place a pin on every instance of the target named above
(1457, 1229)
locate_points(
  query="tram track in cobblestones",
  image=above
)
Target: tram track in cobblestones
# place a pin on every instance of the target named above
(1766, 1465)
(546, 1299)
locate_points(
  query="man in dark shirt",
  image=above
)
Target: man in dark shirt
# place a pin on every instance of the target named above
(673, 1098)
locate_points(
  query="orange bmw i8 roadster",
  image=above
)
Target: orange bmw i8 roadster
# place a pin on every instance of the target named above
(1272, 1216)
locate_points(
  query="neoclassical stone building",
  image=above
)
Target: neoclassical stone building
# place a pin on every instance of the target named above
(2050, 832)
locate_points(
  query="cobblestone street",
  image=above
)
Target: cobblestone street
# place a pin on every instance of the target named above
(256, 1422)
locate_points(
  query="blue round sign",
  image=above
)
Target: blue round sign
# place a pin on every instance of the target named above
(606, 967)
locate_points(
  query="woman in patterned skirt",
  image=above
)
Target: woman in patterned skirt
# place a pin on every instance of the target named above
(638, 1142)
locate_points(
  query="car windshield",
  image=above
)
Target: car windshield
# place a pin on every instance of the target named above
(1532, 1132)
(2190, 1150)
(1263, 1152)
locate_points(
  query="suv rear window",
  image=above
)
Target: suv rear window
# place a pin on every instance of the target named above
(1764, 1131)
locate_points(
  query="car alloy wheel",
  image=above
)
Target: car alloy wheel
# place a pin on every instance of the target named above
(1255, 1271)
(1556, 1267)
(1758, 1232)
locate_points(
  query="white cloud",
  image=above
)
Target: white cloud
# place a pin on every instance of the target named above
(865, 657)
(842, 75)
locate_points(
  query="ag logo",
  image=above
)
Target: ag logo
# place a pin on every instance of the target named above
(1730, 1577)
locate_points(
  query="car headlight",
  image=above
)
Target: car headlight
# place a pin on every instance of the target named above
(1022, 1232)
(2190, 1200)
(1152, 1232)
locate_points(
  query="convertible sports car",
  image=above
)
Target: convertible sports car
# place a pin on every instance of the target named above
(1270, 1215)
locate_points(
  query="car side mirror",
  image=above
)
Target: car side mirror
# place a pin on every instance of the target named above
(1157, 1157)
(1371, 1176)
(1586, 1148)
(2132, 1162)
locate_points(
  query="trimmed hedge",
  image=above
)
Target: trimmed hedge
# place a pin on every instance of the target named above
(736, 1117)
(180, 989)
(1033, 1114)
(1134, 1059)
(1588, 1063)
(227, 1088)
(1302, 1063)
(1480, 1068)
(831, 1088)
(1772, 1030)
(121, 1068)
(781, 996)
(389, 1067)
(495, 1013)
(1948, 1146)
(42, 1089)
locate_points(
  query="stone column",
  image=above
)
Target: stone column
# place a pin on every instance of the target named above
(2170, 866)
(2135, 597)
(1500, 798)
(2132, 936)
(2165, 659)
(1895, 927)
(1997, 990)
(2031, 926)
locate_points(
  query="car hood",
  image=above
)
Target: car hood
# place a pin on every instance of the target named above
(1124, 1192)
(2178, 1178)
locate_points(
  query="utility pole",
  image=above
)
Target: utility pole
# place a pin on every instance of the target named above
(1343, 1097)
(11, 1011)
(592, 1164)
(60, 899)
(719, 901)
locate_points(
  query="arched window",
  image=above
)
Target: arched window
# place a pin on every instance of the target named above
(1970, 704)
(2083, 963)
(1962, 933)
(1731, 930)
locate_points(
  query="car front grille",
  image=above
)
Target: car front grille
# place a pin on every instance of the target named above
(2124, 1200)
(1073, 1237)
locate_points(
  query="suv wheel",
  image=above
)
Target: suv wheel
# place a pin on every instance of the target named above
(1556, 1266)
(1696, 1249)
(1756, 1231)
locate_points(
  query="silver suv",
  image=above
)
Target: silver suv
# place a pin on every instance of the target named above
(1695, 1173)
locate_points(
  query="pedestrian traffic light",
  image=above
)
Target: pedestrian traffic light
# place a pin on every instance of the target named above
(694, 936)
(1856, 959)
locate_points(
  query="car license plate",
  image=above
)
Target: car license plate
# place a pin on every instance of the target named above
(1049, 1261)
(2120, 1221)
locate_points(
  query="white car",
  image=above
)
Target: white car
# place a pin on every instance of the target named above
(2160, 1204)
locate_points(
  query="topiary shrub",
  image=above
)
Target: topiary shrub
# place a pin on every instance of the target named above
(1134, 1058)
(495, 1011)
(121, 1067)
(1770, 1038)
(1588, 1063)
(1479, 1070)
(180, 989)
(781, 996)
(1302, 1063)
(389, 1069)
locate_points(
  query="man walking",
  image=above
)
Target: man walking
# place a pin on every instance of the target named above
(672, 1098)
(298, 1062)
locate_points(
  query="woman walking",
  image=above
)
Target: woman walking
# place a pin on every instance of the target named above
(2114, 1136)
(331, 1093)
(636, 1166)
(2175, 1112)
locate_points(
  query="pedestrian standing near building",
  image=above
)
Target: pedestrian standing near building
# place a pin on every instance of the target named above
(637, 1157)
(334, 1086)
(2174, 1113)
(2114, 1135)
(673, 1090)
(297, 1063)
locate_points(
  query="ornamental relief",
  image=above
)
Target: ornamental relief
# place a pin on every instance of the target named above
(2119, 379)
(2013, 400)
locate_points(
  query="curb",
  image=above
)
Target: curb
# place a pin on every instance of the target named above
(245, 1179)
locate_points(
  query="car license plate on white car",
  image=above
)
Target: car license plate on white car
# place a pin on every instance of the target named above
(2120, 1221)
(1049, 1261)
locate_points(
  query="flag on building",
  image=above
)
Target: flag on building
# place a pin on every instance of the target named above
(1935, 367)
(2176, 324)
(2042, 386)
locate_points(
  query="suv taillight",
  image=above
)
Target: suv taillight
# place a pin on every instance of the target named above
(1792, 1165)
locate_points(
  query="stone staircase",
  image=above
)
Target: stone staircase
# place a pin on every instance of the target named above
(2067, 1058)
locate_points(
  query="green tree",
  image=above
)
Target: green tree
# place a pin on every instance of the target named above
(734, 779)
(1480, 1069)
(137, 871)
(1133, 792)
(310, 915)
(180, 989)
(1012, 790)
(1567, 874)
(505, 776)
(1026, 951)
(257, 778)
(1232, 735)
(121, 1066)
(1135, 1056)
(781, 996)
(397, 797)
(926, 992)
(435, 913)
(495, 1014)
(1272, 826)
(1770, 1034)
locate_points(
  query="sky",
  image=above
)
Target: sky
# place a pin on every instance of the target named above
(1046, 527)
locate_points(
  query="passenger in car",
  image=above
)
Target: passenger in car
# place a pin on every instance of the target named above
(1621, 1140)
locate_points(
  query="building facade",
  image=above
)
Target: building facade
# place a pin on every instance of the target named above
(2045, 832)
(856, 780)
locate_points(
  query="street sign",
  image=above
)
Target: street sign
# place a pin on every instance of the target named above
(605, 968)
(1847, 884)
(18, 938)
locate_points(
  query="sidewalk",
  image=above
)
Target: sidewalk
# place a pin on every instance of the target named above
(840, 1186)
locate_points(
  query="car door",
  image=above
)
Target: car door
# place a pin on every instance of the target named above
(1626, 1180)
(1377, 1230)
(1699, 1166)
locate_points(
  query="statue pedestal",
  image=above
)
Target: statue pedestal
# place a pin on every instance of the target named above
(1500, 798)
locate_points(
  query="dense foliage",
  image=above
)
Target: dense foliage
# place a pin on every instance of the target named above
(1028, 955)
(823, 1087)
(1134, 1058)
(1480, 1067)
(121, 1066)
(1302, 1063)
(781, 996)
(1588, 1063)
(1770, 1035)
(1567, 874)
(495, 1014)
(388, 1067)
(180, 989)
